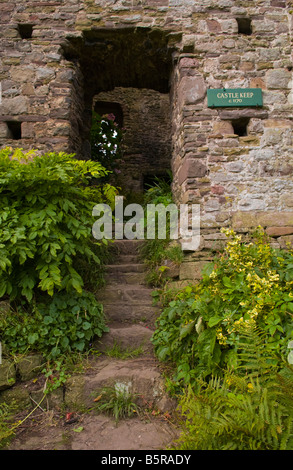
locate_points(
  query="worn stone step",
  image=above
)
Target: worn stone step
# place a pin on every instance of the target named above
(125, 268)
(127, 259)
(141, 377)
(130, 294)
(126, 336)
(127, 247)
(125, 278)
(101, 433)
(120, 311)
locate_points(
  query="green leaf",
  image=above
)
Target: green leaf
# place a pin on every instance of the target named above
(86, 325)
(32, 338)
(79, 429)
(186, 329)
(163, 353)
(214, 321)
(48, 320)
(227, 282)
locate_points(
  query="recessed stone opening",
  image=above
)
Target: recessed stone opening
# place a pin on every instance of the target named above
(244, 26)
(25, 30)
(14, 130)
(146, 143)
(125, 57)
(107, 107)
(240, 126)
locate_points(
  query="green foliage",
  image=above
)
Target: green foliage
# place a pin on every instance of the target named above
(66, 323)
(117, 401)
(46, 221)
(250, 408)
(106, 138)
(159, 192)
(6, 431)
(157, 252)
(249, 285)
(119, 352)
(48, 257)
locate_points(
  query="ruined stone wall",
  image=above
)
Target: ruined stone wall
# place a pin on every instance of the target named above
(58, 55)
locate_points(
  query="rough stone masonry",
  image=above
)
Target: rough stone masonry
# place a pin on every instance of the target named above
(157, 59)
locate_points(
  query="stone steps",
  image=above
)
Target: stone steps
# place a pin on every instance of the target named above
(131, 315)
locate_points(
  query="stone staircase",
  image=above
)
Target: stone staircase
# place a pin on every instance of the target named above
(130, 317)
(126, 298)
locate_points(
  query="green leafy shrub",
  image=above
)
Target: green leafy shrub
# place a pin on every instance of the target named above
(250, 284)
(48, 257)
(46, 221)
(65, 323)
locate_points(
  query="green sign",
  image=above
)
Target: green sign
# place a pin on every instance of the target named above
(222, 97)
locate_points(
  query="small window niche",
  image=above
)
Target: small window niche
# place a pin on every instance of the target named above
(107, 107)
(25, 30)
(14, 130)
(244, 26)
(240, 126)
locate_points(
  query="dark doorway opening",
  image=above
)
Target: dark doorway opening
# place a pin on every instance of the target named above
(115, 64)
(150, 180)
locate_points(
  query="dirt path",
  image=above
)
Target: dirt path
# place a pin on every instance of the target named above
(130, 314)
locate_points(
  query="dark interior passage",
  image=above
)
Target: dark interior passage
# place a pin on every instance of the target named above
(127, 72)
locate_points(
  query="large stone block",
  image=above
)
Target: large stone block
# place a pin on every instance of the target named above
(264, 219)
(223, 127)
(191, 270)
(29, 366)
(192, 168)
(5, 133)
(278, 78)
(15, 106)
(279, 231)
(191, 90)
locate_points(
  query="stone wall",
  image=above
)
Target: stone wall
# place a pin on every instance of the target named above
(59, 55)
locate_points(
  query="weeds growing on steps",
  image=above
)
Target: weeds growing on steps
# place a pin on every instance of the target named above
(116, 401)
(118, 352)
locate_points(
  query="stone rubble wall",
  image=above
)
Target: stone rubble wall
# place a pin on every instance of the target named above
(239, 181)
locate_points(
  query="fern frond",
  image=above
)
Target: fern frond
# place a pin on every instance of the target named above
(250, 408)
